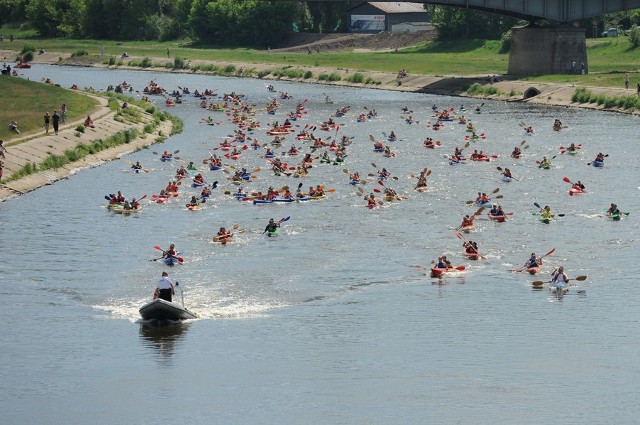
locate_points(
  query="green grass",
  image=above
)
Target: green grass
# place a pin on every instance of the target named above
(607, 57)
(27, 101)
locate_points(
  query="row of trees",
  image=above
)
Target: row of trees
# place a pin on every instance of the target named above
(240, 22)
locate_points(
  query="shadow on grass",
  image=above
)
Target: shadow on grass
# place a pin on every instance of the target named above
(447, 47)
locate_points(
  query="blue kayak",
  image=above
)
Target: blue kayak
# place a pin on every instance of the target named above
(261, 201)
(483, 204)
(170, 261)
(598, 164)
(284, 200)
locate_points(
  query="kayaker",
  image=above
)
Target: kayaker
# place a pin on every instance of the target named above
(194, 202)
(516, 152)
(470, 247)
(441, 264)
(170, 253)
(392, 135)
(120, 198)
(164, 288)
(319, 191)
(498, 212)
(371, 201)
(422, 182)
(559, 278)
(447, 263)
(600, 157)
(223, 236)
(137, 166)
(572, 148)
(546, 212)
(206, 193)
(382, 175)
(507, 173)
(272, 226)
(355, 176)
(545, 163)
(578, 186)
(166, 155)
(533, 261)
(181, 172)
(613, 210)
(467, 220)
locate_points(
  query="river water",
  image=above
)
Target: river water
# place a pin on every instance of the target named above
(332, 322)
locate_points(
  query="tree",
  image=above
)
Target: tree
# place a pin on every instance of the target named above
(457, 23)
(52, 18)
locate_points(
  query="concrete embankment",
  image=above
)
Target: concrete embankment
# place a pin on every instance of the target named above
(34, 149)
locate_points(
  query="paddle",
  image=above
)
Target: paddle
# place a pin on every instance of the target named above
(589, 163)
(540, 282)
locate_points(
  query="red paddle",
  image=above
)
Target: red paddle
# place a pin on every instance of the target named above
(566, 179)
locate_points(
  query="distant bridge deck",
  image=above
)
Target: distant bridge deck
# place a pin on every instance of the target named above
(531, 10)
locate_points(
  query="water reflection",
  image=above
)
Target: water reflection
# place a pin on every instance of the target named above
(163, 337)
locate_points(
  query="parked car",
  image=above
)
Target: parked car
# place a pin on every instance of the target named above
(611, 32)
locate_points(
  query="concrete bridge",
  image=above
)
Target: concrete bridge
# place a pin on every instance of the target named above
(543, 50)
(557, 10)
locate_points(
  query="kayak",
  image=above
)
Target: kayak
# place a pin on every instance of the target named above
(261, 201)
(506, 179)
(162, 199)
(390, 198)
(239, 195)
(122, 210)
(573, 191)
(545, 220)
(575, 152)
(483, 204)
(498, 218)
(518, 156)
(598, 164)
(545, 166)
(422, 188)
(193, 207)
(197, 184)
(471, 255)
(214, 167)
(162, 310)
(170, 261)
(468, 228)
(166, 158)
(284, 200)
(354, 182)
(272, 234)
(437, 272)
(533, 270)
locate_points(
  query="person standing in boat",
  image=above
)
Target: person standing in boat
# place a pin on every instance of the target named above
(164, 288)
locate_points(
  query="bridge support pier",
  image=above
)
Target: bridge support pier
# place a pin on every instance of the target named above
(541, 51)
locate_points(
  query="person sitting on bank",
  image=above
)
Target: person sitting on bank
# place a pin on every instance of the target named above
(13, 126)
(164, 288)
(88, 122)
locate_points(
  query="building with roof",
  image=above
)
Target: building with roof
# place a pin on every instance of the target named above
(377, 16)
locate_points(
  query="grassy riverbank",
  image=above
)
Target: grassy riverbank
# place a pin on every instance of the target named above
(608, 57)
(27, 101)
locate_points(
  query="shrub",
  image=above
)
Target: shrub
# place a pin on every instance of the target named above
(505, 42)
(634, 35)
(229, 69)
(264, 73)
(323, 77)
(334, 76)
(112, 60)
(78, 53)
(178, 63)
(27, 48)
(146, 63)
(356, 78)
(307, 75)
(80, 128)
(27, 57)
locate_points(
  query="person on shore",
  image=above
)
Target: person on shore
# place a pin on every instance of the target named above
(63, 113)
(55, 120)
(13, 126)
(626, 81)
(88, 122)
(2, 148)
(638, 90)
(164, 288)
(47, 121)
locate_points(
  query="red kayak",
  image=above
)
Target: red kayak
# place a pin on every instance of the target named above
(574, 191)
(436, 272)
(498, 218)
(471, 255)
(534, 270)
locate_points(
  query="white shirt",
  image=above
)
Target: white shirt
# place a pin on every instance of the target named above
(164, 283)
